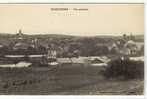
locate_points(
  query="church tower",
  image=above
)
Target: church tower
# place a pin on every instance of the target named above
(19, 35)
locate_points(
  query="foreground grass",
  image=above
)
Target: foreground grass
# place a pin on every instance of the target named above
(66, 79)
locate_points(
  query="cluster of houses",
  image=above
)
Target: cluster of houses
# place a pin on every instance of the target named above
(125, 46)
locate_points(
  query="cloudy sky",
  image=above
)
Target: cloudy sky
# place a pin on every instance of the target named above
(98, 19)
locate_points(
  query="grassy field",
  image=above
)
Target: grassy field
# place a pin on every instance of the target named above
(67, 79)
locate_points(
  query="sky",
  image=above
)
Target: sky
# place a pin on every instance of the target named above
(98, 19)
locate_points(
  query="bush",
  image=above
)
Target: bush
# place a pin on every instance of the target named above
(126, 68)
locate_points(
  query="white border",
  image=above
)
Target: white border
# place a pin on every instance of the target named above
(79, 96)
(72, 1)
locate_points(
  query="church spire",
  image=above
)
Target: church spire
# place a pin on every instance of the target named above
(20, 32)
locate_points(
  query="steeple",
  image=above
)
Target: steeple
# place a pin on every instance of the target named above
(20, 31)
(19, 35)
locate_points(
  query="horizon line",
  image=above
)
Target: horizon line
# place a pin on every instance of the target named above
(44, 33)
(102, 34)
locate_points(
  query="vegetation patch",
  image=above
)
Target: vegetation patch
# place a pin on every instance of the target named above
(125, 68)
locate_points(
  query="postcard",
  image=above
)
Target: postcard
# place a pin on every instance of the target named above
(72, 49)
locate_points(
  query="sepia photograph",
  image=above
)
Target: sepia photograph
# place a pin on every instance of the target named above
(72, 49)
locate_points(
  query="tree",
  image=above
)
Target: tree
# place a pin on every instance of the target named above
(126, 68)
(100, 50)
(3, 50)
(42, 50)
(113, 50)
(31, 50)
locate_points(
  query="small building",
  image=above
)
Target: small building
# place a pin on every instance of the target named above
(20, 45)
(131, 46)
(51, 53)
(125, 51)
(113, 46)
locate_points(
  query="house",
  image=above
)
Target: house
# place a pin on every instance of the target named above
(131, 47)
(113, 46)
(125, 51)
(20, 45)
(126, 46)
(103, 59)
(39, 59)
(51, 54)
(139, 45)
(20, 41)
(79, 60)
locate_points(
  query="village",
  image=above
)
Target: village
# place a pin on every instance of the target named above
(61, 64)
(22, 52)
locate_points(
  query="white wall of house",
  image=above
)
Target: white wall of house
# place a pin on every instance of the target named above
(52, 54)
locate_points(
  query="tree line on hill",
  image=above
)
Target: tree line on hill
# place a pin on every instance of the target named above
(66, 46)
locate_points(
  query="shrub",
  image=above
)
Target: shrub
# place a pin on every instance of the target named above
(126, 68)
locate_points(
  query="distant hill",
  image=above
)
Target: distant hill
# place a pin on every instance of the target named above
(6, 38)
(139, 38)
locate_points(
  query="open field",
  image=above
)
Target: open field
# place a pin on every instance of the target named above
(67, 79)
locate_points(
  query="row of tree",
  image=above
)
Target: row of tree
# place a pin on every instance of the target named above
(67, 48)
